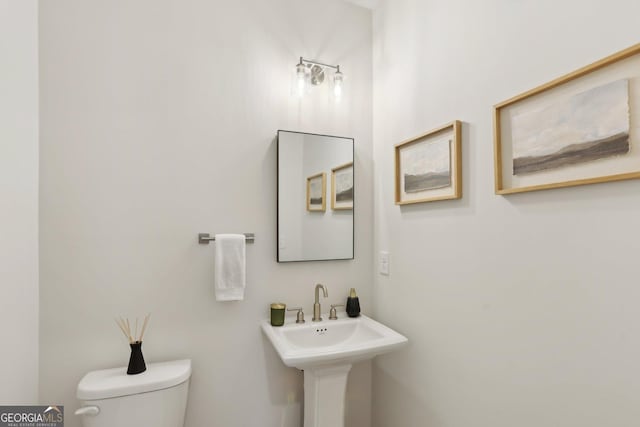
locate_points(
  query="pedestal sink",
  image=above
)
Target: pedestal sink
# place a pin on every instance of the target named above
(325, 351)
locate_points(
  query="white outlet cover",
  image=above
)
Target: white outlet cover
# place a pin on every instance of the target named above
(383, 263)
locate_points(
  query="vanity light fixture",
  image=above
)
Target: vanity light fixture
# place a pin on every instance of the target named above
(314, 72)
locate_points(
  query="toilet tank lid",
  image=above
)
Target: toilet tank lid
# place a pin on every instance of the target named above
(109, 383)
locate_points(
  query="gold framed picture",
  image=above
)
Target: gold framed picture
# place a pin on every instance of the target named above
(582, 128)
(429, 166)
(316, 192)
(342, 187)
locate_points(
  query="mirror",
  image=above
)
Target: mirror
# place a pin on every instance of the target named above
(315, 197)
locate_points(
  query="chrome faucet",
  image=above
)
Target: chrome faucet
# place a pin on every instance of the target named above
(316, 305)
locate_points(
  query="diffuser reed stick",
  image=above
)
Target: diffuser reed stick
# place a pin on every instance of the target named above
(144, 326)
(125, 327)
(123, 330)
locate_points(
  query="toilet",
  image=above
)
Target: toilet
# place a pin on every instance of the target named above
(156, 397)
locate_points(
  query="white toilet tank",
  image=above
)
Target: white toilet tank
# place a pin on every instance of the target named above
(156, 397)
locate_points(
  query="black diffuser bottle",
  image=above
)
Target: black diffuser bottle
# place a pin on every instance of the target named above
(353, 304)
(136, 361)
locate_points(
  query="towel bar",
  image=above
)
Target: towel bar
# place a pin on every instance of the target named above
(205, 238)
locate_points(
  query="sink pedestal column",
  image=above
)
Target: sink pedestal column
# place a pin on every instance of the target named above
(324, 395)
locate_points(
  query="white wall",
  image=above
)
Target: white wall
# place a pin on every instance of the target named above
(19, 201)
(291, 195)
(158, 121)
(521, 310)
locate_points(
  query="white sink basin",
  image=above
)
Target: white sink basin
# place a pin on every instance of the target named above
(345, 340)
(325, 351)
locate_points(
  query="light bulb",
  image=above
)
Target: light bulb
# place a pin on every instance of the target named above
(338, 79)
(301, 72)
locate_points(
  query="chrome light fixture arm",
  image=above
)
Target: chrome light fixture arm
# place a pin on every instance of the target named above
(308, 62)
(315, 72)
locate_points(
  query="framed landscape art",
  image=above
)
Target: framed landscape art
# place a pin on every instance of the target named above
(429, 166)
(582, 128)
(316, 192)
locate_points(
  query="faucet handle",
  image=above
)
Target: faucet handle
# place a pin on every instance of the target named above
(332, 313)
(300, 315)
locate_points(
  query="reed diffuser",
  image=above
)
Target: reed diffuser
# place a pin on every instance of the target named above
(136, 360)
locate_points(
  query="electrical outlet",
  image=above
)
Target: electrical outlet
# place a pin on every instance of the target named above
(383, 265)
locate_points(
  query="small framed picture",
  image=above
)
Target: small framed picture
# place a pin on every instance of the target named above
(316, 191)
(342, 187)
(429, 166)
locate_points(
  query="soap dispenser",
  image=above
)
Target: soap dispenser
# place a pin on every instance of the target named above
(353, 304)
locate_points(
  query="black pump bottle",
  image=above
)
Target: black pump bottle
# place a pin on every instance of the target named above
(353, 304)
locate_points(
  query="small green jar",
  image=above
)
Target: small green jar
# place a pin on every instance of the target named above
(277, 313)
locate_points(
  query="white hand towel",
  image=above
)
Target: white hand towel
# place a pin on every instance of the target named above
(230, 264)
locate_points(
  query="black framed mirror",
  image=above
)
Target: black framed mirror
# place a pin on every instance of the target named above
(315, 197)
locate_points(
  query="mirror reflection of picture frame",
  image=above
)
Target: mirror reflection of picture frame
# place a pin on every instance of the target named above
(429, 166)
(316, 192)
(342, 187)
